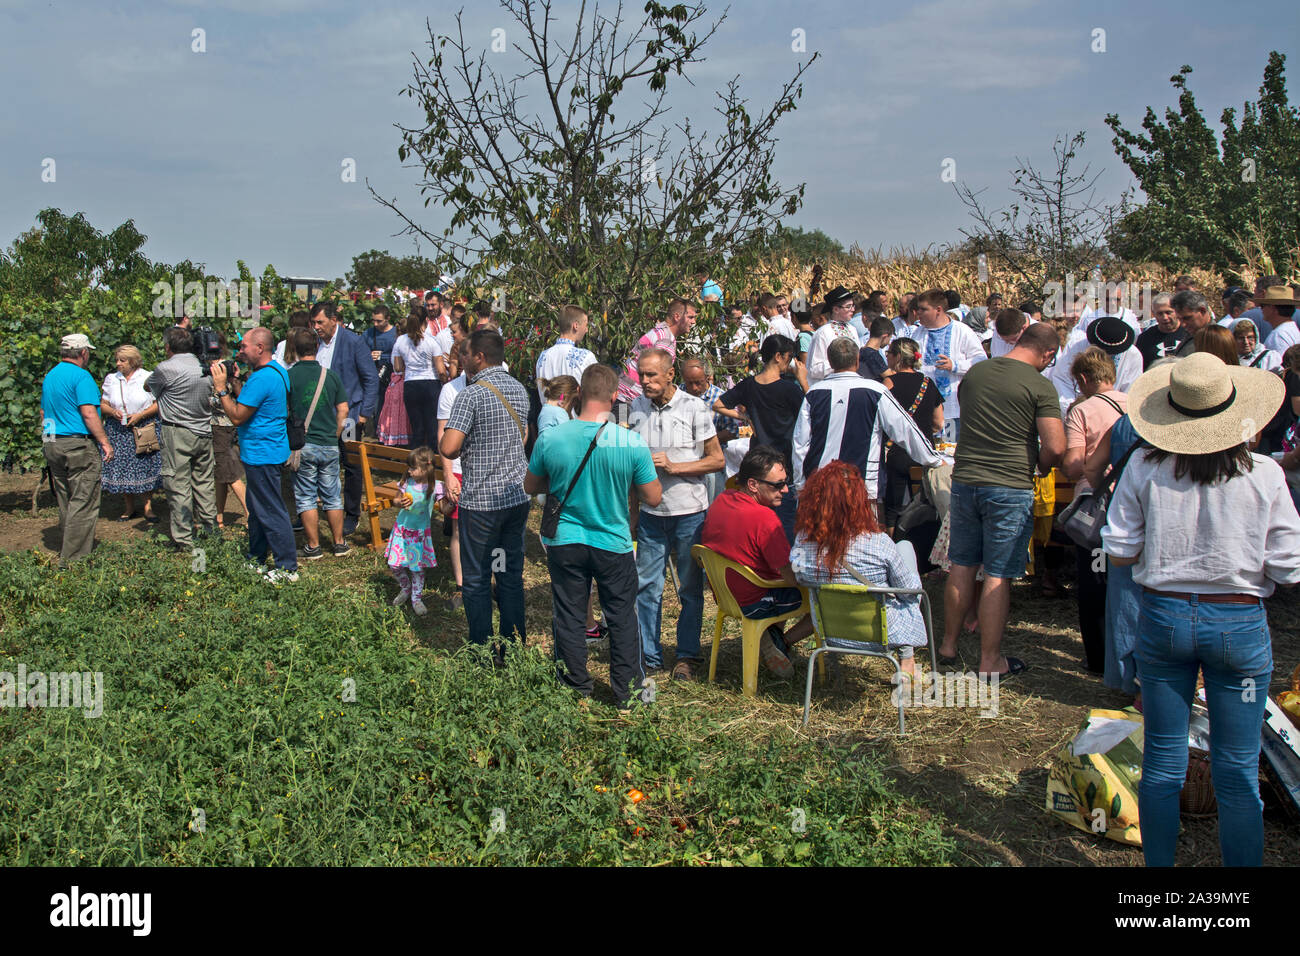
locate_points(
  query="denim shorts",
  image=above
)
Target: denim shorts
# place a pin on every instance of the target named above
(318, 477)
(775, 602)
(991, 526)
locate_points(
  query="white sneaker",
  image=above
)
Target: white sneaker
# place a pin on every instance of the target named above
(256, 568)
(402, 595)
(278, 576)
(418, 607)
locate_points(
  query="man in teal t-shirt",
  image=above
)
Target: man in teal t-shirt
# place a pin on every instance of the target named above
(593, 540)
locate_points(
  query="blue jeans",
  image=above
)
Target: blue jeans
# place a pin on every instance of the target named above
(655, 536)
(1230, 643)
(268, 519)
(318, 477)
(492, 542)
(991, 526)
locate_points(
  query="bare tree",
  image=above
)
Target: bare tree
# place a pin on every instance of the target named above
(1056, 225)
(553, 199)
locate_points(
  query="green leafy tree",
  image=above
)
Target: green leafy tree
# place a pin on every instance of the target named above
(65, 254)
(572, 182)
(804, 245)
(1219, 201)
(375, 269)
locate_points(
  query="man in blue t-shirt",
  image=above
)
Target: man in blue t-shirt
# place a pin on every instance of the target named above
(70, 430)
(260, 415)
(593, 539)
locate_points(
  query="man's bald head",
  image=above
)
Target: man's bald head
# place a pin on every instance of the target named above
(257, 347)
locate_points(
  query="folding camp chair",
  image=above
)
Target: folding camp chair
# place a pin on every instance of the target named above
(850, 619)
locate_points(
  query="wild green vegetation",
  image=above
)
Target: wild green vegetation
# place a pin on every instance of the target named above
(226, 739)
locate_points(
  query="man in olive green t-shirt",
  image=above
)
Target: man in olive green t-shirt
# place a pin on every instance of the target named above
(1011, 424)
(317, 477)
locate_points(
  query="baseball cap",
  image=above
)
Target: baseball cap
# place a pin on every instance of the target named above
(76, 342)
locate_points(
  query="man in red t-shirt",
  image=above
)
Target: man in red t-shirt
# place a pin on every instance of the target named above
(742, 525)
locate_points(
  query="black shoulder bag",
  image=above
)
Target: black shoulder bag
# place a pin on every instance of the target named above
(1085, 516)
(554, 505)
(295, 428)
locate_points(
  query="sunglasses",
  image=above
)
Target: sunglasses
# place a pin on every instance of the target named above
(773, 484)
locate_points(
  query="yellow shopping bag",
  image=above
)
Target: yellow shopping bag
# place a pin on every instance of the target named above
(1093, 781)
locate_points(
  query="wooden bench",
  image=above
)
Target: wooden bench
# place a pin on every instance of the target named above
(375, 459)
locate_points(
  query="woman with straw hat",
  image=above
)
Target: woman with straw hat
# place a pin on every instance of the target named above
(1178, 517)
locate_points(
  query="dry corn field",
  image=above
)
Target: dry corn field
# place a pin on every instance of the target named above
(901, 271)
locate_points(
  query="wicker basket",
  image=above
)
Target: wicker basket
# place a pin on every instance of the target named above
(1197, 798)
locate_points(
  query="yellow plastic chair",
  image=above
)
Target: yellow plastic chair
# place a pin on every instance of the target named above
(850, 619)
(751, 630)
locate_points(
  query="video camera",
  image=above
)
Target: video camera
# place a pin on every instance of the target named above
(207, 348)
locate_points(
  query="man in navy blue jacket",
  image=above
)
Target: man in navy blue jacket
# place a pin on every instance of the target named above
(346, 354)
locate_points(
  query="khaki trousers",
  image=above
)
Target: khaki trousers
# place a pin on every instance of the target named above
(188, 470)
(77, 466)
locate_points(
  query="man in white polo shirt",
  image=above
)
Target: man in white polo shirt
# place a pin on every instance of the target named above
(1112, 304)
(679, 430)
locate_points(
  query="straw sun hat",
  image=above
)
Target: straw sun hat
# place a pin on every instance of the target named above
(1198, 405)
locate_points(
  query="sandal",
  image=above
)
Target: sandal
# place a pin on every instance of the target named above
(126, 517)
(1014, 666)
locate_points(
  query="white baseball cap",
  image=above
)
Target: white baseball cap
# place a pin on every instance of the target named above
(76, 342)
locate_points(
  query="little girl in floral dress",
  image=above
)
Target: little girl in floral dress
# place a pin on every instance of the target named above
(410, 548)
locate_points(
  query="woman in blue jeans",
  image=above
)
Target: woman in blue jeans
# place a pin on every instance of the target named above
(1209, 529)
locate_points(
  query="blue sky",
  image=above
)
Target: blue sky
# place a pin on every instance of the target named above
(236, 152)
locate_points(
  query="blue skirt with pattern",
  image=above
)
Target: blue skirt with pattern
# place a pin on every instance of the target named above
(129, 473)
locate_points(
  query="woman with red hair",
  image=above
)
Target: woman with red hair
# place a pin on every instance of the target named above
(837, 534)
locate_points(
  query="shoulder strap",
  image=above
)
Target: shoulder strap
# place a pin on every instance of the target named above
(523, 432)
(585, 458)
(870, 584)
(1113, 404)
(920, 393)
(320, 384)
(1111, 478)
(288, 409)
(1259, 358)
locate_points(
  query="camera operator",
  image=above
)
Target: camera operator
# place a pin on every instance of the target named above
(184, 408)
(260, 416)
(379, 339)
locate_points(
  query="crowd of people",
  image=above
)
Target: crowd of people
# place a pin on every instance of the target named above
(801, 470)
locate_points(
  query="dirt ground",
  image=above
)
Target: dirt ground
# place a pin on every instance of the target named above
(986, 776)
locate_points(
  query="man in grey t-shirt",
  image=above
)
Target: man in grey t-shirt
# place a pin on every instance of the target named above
(188, 465)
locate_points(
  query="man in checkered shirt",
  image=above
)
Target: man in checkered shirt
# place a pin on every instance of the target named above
(488, 436)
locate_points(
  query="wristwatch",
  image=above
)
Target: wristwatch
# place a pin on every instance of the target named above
(223, 393)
